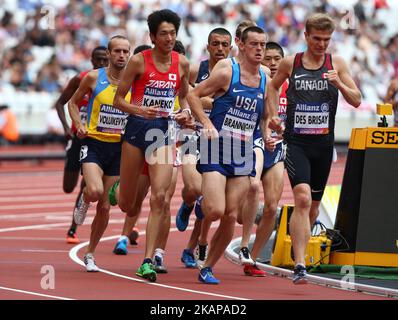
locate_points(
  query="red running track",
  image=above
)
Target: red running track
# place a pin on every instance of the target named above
(35, 215)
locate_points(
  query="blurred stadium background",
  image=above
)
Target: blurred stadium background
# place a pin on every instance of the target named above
(44, 43)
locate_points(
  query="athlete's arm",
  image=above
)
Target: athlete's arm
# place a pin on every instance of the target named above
(269, 120)
(63, 99)
(86, 85)
(272, 101)
(341, 78)
(391, 92)
(222, 64)
(135, 68)
(193, 74)
(217, 83)
(266, 70)
(207, 102)
(183, 116)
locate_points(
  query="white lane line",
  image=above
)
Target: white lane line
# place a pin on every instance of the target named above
(35, 293)
(44, 251)
(75, 258)
(47, 215)
(47, 197)
(73, 255)
(37, 226)
(57, 205)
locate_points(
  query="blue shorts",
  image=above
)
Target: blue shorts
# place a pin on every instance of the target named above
(258, 141)
(72, 161)
(272, 158)
(143, 133)
(105, 154)
(229, 160)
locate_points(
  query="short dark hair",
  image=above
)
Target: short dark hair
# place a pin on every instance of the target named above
(165, 15)
(99, 48)
(220, 31)
(140, 48)
(179, 47)
(274, 45)
(250, 29)
(115, 37)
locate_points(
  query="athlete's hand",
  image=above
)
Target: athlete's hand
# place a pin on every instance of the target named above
(209, 131)
(182, 117)
(271, 142)
(276, 124)
(190, 124)
(150, 112)
(81, 131)
(333, 77)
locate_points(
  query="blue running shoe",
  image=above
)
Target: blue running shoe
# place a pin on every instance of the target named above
(182, 218)
(206, 276)
(188, 259)
(300, 275)
(121, 247)
(198, 208)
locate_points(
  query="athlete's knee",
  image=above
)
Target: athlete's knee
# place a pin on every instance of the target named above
(253, 188)
(303, 200)
(94, 192)
(190, 189)
(270, 209)
(158, 198)
(212, 211)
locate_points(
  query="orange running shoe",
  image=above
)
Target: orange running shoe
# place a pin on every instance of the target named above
(72, 238)
(134, 235)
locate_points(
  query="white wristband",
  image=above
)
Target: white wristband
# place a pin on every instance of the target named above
(188, 110)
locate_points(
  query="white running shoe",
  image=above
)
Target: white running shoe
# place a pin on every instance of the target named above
(245, 257)
(158, 261)
(80, 212)
(89, 261)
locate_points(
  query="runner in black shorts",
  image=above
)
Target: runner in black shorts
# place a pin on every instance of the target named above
(99, 59)
(314, 82)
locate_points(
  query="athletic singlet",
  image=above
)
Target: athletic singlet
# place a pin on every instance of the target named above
(282, 104)
(82, 105)
(104, 122)
(155, 88)
(203, 74)
(312, 103)
(237, 113)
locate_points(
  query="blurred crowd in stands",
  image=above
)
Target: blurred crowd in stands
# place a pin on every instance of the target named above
(43, 43)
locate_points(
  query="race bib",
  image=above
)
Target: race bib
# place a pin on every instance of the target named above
(311, 119)
(239, 127)
(162, 98)
(111, 120)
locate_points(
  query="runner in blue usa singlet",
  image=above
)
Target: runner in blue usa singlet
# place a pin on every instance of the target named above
(235, 115)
